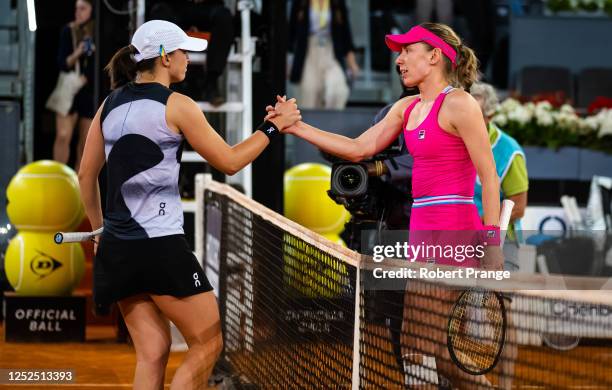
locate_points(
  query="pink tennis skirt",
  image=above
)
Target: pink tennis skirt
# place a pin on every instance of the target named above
(447, 225)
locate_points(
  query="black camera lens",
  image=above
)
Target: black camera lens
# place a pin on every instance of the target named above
(350, 179)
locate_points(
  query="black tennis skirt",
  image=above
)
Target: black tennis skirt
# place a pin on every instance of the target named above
(157, 266)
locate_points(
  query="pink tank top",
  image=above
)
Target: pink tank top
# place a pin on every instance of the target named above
(442, 164)
(443, 179)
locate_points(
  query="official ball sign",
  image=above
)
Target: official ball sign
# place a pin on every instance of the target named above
(44, 319)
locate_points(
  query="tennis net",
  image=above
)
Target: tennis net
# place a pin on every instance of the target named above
(296, 314)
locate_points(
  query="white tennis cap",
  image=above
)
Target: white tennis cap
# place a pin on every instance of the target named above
(155, 35)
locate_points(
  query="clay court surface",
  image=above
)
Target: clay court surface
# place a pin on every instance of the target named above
(100, 362)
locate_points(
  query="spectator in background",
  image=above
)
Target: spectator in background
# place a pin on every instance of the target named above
(197, 16)
(321, 41)
(76, 45)
(443, 8)
(511, 169)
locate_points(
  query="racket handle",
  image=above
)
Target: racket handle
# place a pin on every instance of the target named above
(61, 237)
(504, 218)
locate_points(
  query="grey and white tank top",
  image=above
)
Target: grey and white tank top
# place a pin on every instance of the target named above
(143, 160)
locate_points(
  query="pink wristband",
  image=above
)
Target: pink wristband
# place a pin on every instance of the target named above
(490, 235)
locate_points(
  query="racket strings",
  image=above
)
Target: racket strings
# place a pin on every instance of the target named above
(476, 330)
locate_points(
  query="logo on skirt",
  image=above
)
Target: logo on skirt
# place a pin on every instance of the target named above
(196, 280)
(421, 134)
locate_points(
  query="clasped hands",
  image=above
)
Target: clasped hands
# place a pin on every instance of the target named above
(284, 114)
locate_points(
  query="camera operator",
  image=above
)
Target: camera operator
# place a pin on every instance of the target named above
(385, 198)
(383, 203)
(396, 171)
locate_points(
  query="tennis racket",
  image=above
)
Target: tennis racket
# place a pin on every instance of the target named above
(477, 322)
(61, 237)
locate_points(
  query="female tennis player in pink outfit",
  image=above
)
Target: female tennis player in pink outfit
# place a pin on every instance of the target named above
(447, 137)
(444, 132)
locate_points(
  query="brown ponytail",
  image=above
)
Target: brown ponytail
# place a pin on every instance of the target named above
(122, 68)
(466, 72)
(467, 67)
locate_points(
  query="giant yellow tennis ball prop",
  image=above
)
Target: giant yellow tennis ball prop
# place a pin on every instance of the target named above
(306, 200)
(36, 266)
(44, 196)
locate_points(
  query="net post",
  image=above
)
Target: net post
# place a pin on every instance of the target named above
(357, 332)
(202, 180)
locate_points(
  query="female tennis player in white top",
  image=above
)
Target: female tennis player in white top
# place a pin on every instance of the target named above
(143, 261)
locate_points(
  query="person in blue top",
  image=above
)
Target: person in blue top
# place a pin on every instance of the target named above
(511, 169)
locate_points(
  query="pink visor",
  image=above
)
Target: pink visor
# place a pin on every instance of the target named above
(395, 42)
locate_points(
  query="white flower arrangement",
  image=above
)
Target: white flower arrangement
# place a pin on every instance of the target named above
(541, 124)
(543, 113)
(604, 118)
